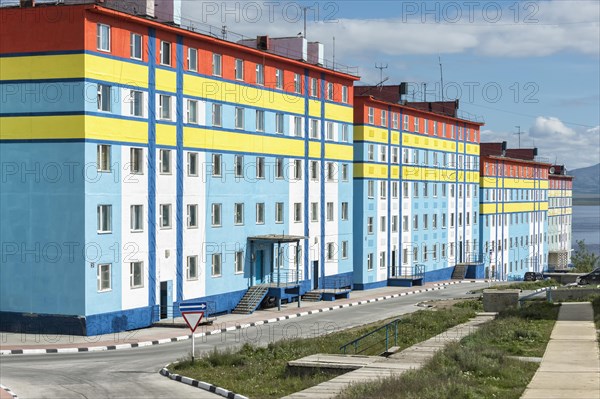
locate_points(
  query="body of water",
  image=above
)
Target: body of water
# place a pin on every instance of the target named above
(586, 226)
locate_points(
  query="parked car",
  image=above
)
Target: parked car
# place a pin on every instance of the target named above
(591, 278)
(533, 276)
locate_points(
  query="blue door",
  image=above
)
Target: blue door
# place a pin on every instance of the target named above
(259, 266)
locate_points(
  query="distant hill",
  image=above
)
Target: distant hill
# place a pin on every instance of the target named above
(587, 180)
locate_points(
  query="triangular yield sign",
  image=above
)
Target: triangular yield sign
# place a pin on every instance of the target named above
(192, 319)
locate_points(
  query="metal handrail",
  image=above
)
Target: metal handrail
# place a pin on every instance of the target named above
(387, 328)
(338, 283)
(284, 277)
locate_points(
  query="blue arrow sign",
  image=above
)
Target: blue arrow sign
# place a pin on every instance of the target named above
(193, 307)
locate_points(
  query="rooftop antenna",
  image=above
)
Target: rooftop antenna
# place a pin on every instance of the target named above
(334, 53)
(424, 92)
(224, 31)
(304, 9)
(441, 78)
(519, 133)
(381, 67)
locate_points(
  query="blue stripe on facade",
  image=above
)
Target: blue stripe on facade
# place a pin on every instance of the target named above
(180, 168)
(389, 189)
(306, 177)
(322, 185)
(152, 168)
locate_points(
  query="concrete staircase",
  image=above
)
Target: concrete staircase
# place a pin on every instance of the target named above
(459, 272)
(312, 296)
(251, 300)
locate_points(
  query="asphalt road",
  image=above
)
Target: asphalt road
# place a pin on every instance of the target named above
(133, 373)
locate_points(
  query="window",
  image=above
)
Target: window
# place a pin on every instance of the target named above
(260, 74)
(383, 118)
(382, 224)
(383, 189)
(314, 211)
(434, 221)
(164, 162)
(238, 214)
(215, 215)
(279, 212)
(371, 115)
(238, 161)
(330, 131)
(425, 190)
(371, 189)
(297, 126)
(415, 189)
(137, 218)
(405, 156)
(279, 123)
(425, 126)
(239, 262)
(382, 260)
(405, 189)
(394, 224)
(260, 120)
(329, 211)
(239, 118)
(330, 171)
(405, 122)
(345, 94)
(344, 215)
(103, 37)
(104, 101)
(279, 168)
(370, 221)
(405, 255)
(330, 251)
(216, 165)
(192, 111)
(405, 223)
(278, 79)
(260, 167)
(329, 91)
(191, 271)
(297, 212)
(344, 249)
(416, 124)
(136, 103)
(314, 129)
(369, 261)
(216, 265)
(104, 278)
(344, 172)
(371, 152)
(103, 158)
(297, 83)
(239, 69)
(298, 169)
(345, 135)
(104, 218)
(165, 53)
(192, 216)
(314, 170)
(164, 107)
(135, 46)
(415, 222)
(217, 115)
(192, 61)
(192, 164)
(136, 272)
(165, 216)
(260, 213)
(216, 65)
(395, 155)
(394, 121)
(383, 153)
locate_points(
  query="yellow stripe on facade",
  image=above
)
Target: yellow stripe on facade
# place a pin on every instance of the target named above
(473, 149)
(166, 135)
(314, 108)
(114, 129)
(395, 172)
(395, 138)
(370, 133)
(166, 80)
(427, 142)
(121, 72)
(559, 212)
(240, 142)
(370, 171)
(242, 94)
(339, 151)
(512, 182)
(314, 149)
(42, 127)
(339, 112)
(42, 67)
(512, 207)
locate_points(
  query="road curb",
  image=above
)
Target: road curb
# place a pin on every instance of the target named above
(7, 389)
(41, 351)
(200, 384)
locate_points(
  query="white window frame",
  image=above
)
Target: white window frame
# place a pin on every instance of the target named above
(103, 37)
(192, 112)
(103, 157)
(165, 53)
(192, 216)
(239, 262)
(192, 59)
(238, 214)
(260, 74)
(217, 64)
(164, 107)
(215, 215)
(279, 79)
(191, 267)
(165, 216)
(136, 45)
(260, 167)
(136, 103)
(136, 274)
(217, 115)
(192, 164)
(104, 277)
(260, 213)
(136, 218)
(239, 118)
(104, 213)
(104, 98)
(239, 69)
(279, 212)
(164, 161)
(344, 211)
(260, 120)
(217, 163)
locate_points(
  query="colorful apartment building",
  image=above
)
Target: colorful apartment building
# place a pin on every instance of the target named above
(416, 186)
(560, 202)
(514, 211)
(147, 165)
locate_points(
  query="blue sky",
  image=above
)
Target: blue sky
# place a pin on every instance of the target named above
(533, 64)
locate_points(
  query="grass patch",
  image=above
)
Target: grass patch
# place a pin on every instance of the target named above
(596, 305)
(525, 285)
(478, 366)
(262, 372)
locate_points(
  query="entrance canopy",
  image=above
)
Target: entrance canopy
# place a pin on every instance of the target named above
(277, 238)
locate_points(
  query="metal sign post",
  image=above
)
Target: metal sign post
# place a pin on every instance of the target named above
(192, 313)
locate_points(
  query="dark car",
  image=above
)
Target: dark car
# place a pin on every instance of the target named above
(591, 278)
(533, 276)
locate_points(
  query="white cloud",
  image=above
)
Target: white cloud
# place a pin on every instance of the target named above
(575, 147)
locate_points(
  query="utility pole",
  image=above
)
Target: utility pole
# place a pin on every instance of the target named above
(519, 133)
(381, 67)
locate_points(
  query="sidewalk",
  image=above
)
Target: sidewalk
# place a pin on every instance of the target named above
(16, 343)
(571, 364)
